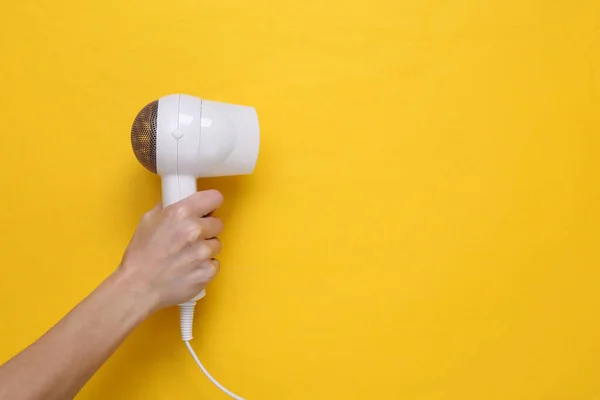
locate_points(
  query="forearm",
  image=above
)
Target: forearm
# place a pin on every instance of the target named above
(169, 260)
(58, 365)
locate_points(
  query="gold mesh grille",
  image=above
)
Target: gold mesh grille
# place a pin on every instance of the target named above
(143, 136)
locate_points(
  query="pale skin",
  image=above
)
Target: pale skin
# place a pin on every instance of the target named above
(170, 259)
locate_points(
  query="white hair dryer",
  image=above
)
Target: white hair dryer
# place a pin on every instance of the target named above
(183, 138)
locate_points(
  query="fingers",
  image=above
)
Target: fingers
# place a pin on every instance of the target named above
(212, 248)
(202, 251)
(211, 266)
(210, 227)
(198, 204)
(194, 229)
(216, 265)
(206, 271)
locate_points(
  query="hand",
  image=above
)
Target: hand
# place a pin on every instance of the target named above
(171, 256)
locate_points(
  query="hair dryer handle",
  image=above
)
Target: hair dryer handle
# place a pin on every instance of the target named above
(175, 188)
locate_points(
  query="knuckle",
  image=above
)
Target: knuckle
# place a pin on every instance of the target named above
(211, 227)
(203, 252)
(152, 213)
(147, 216)
(190, 232)
(216, 264)
(177, 211)
(208, 270)
(213, 268)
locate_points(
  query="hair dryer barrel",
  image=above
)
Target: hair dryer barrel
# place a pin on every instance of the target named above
(229, 139)
(181, 134)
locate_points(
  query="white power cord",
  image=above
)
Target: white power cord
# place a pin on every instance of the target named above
(187, 322)
(213, 380)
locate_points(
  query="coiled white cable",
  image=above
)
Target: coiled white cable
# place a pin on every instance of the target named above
(187, 323)
(186, 319)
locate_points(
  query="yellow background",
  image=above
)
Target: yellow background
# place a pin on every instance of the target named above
(423, 222)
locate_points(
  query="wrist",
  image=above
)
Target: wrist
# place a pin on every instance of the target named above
(134, 292)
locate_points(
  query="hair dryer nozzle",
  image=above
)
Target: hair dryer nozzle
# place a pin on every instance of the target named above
(229, 139)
